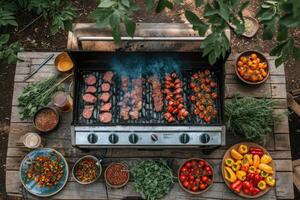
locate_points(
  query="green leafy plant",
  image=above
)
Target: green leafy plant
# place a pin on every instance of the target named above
(9, 51)
(7, 18)
(61, 13)
(153, 180)
(278, 18)
(252, 117)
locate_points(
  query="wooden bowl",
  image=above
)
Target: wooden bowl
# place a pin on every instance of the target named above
(82, 158)
(227, 155)
(255, 28)
(261, 57)
(189, 191)
(42, 109)
(63, 62)
(116, 186)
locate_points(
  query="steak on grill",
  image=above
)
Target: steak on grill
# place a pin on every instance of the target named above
(157, 95)
(105, 117)
(105, 107)
(91, 89)
(88, 111)
(105, 96)
(89, 98)
(105, 87)
(90, 79)
(107, 77)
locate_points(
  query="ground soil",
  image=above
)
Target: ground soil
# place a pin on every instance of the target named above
(37, 37)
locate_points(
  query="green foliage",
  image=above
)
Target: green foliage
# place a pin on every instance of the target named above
(218, 15)
(280, 16)
(9, 51)
(7, 18)
(153, 180)
(251, 117)
(61, 13)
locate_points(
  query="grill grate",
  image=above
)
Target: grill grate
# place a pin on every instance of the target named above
(148, 115)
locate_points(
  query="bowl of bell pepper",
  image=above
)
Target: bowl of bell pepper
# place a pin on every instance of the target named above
(248, 170)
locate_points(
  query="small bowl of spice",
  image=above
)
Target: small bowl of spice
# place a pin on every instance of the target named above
(116, 175)
(87, 170)
(46, 119)
(251, 26)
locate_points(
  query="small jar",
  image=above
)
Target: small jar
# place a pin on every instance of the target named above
(63, 101)
(32, 140)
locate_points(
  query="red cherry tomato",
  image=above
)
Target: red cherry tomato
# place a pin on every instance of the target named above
(201, 163)
(188, 164)
(197, 180)
(197, 172)
(182, 178)
(183, 169)
(207, 168)
(194, 188)
(191, 177)
(194, 163)
(202, 186)
(186, 184)
(204, 179)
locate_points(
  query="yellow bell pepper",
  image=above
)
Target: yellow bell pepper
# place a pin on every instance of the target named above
(252, 169)
(258, 171)
(241, 175)
(229, 162)
(264, 174)
(249, 158)
(243, 149)
(270, 181)
(236, 166)
(236, 155)
(229, 174)
(256, 160)
(262, 185)
(265, 159)
(266, 168)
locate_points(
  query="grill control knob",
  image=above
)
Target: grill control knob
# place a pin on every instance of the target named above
(92, 138)
(113, 138)
(154, 137)
(184, 138)
(133, 138)
(204, 138)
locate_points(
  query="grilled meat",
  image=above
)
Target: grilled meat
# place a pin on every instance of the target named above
(90, 79)
(105, 87)
(105, 117)
(105, 107)
(88, 111)
(175, 101)
(124, 83)
(204, 95)
(157, 95)
(107, 77)
(91, 89)
(124, 112)
(89, 98)
(104, 97)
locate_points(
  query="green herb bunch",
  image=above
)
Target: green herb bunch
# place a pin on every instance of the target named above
(37, 95)
(251, 117)
(153, 180)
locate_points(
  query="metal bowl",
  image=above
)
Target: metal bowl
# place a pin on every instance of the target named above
(98, 163)
(261, 57)
(116, 186)
(46, 108)
(189, 191)
(63, 62)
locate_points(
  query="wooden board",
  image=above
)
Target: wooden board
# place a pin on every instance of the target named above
(277, 143)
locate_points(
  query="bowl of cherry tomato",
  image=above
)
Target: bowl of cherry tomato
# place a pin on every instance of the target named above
(195, 176)
(252, 67)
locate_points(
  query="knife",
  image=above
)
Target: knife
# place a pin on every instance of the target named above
(39, 67)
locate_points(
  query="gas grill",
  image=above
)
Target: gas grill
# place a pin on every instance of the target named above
(151, 129)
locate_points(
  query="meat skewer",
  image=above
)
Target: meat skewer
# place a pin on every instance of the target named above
(105, 115)
(174, 99)
(157, 95)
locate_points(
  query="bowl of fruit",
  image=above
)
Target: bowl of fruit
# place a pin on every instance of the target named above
(195, 176)
(252, 67)
(248, 170)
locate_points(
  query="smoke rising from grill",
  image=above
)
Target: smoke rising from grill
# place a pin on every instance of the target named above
(137, 65)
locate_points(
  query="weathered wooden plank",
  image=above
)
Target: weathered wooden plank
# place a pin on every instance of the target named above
(277, 79)
(45, 69)
(18, 88)
(276, 70)
(23, 67)
(35, 55)
(15, 116)
(283, 125)
(37, 61)
(282, 142)
(246, 90)
(283, 165)
(19, 78)
(278, 91)
(284, 185)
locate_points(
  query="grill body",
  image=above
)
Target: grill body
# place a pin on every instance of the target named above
(150, 130)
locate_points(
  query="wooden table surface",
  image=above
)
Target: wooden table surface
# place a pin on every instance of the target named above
(278, 143)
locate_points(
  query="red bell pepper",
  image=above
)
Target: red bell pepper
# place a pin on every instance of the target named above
(246, 191)
(256, 149)
(257, 178)
(250, 176)
(236, 186)
(255, 191)
(247, 185)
